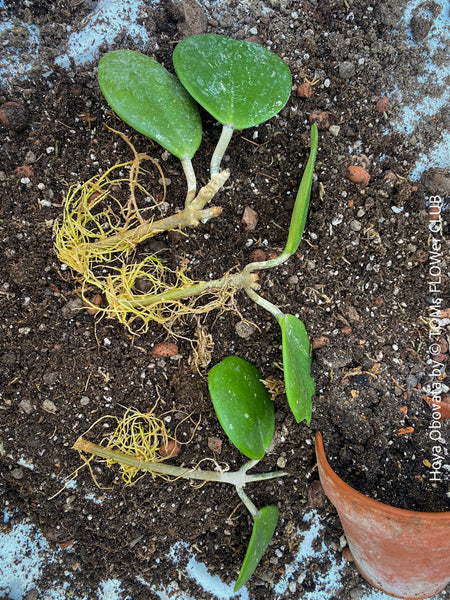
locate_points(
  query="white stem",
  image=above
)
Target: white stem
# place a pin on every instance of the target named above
(268, 264)
(190, 178)
(274, 310)
(222, 145)
(237, 478)
(248, 503)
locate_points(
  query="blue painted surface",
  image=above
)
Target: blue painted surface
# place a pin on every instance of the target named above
(24, 552)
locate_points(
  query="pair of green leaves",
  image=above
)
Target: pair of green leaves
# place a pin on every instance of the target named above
(239, 83)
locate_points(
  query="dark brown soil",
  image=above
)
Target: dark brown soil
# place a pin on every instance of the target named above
(360, 278)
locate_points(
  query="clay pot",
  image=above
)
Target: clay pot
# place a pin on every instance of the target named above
(404, 553)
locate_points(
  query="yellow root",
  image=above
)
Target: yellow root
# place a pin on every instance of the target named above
(138, 435)
(96, 226)
(159, 302)
(100, 227)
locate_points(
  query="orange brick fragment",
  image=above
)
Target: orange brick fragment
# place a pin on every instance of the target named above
(405, 430)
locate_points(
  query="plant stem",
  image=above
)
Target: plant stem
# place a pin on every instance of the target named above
(237, 478)
(209, 190)
(274, 310)
(237, 281)
(222, 145)
(296, 229)
(268, 264)
(190, 216)
(247, 502)
(190, 179)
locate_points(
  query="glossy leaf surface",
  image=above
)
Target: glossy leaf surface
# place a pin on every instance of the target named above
(263, 529)
(240, 83)
(243, 405)
(297, 361)
(152, 100)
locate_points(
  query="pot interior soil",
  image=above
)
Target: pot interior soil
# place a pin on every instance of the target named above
(359, 283)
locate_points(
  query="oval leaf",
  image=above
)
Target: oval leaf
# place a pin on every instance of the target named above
(152, 100)
(239, 83)
(263, 529)
(243, 405)
(297, 361)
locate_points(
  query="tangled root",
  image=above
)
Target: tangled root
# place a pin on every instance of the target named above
(101, 226)
(138, 435)
(169, 295)
(97, 225)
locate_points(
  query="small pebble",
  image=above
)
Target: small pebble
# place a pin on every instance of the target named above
(244, 329)
(305, 90)
(49, 406)
(320, 118)
(96, 300)
(334, 130)
(13, 116)
(50, 378)
(257, 255)
(383, 104)
(170, 449)
(355, 225)
(17, 473)
(30, 157)
(281, 462)
(346, 70)
(26, 406)
(70, 309)
(215, 444)
(250, 218)
(358, 175)
(164, 350)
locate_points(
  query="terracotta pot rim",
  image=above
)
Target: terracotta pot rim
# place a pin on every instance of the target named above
(370, 502)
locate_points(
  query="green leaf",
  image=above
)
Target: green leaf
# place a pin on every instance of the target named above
(300, 211)
(297, 361)
(152, 100)
(263, 529)
(243, 405)
(239, 83)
